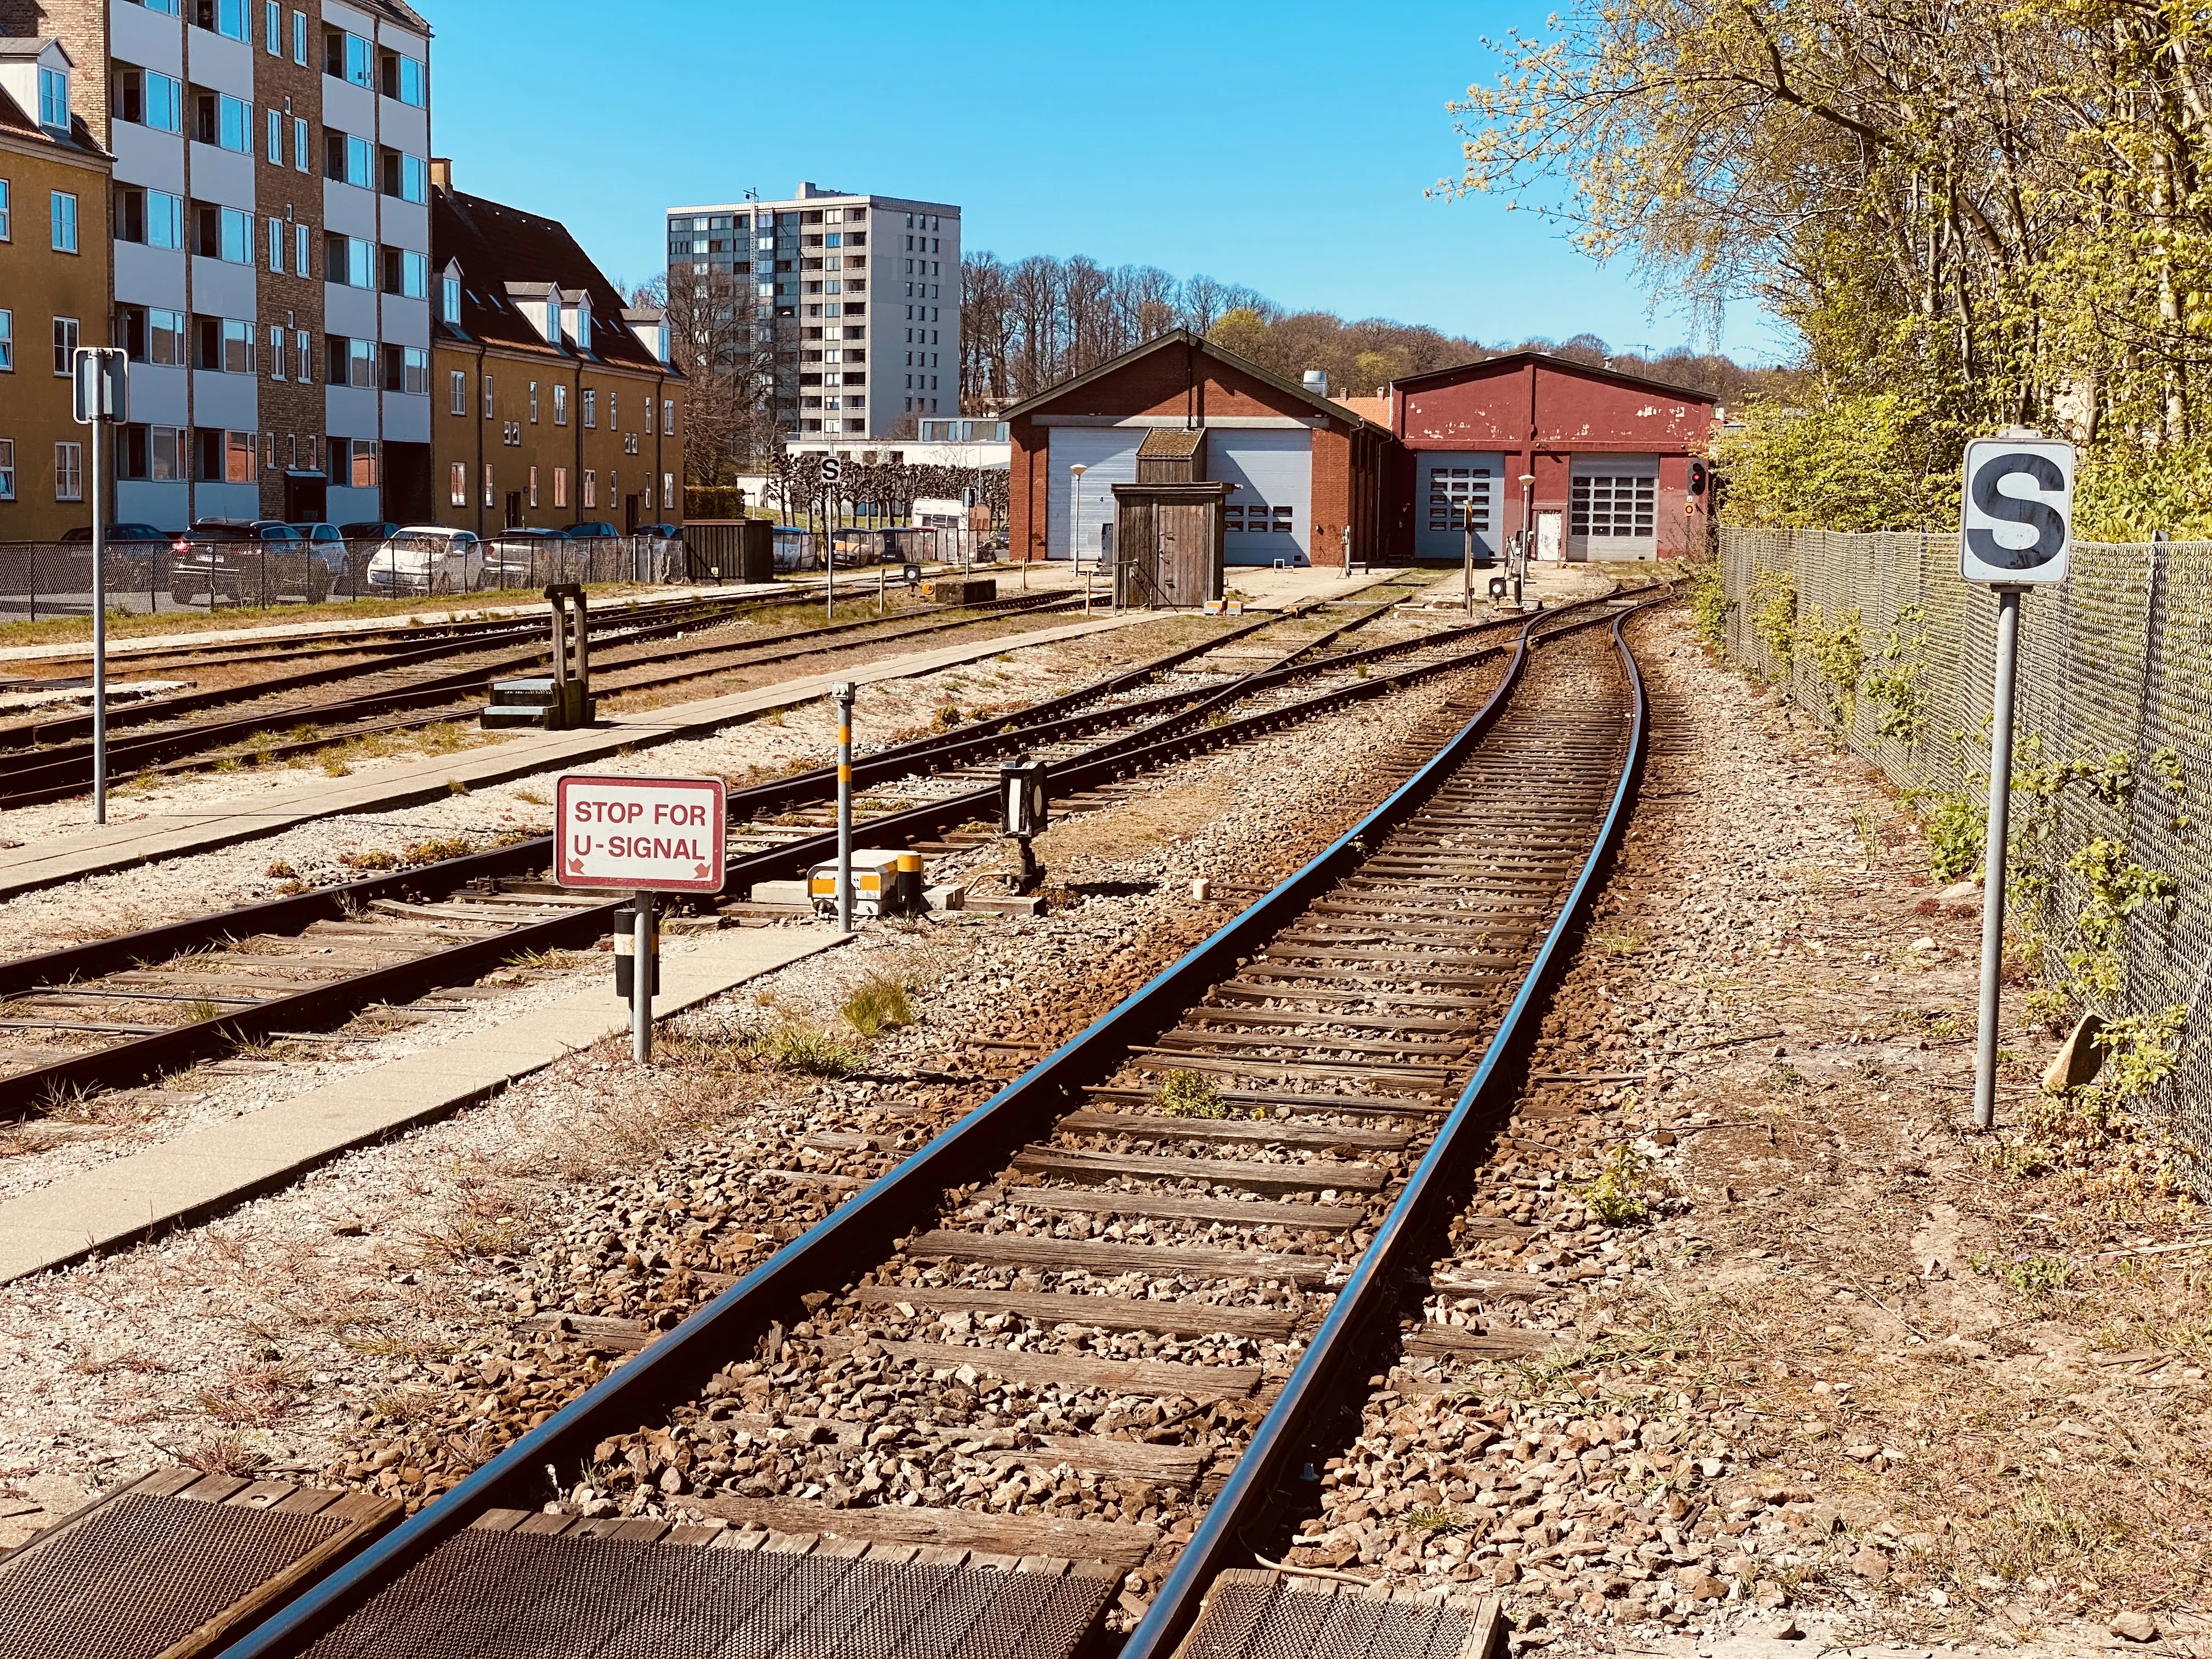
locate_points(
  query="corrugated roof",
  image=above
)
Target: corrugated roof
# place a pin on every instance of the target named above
(501, 250)
(1171, 444)
(1186, 336)
(1512, 360)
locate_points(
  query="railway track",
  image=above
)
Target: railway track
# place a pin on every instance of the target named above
(52, 760)
(162, 998)
(1063, 1373)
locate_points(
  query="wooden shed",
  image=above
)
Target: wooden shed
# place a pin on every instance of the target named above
(1169, 456)
(1168, 539)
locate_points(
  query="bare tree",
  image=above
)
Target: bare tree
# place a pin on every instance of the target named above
(718, 336)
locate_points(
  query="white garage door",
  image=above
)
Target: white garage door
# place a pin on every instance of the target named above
(1270, 512)
(1612, 507)
(1449, 485)
(1108, 455)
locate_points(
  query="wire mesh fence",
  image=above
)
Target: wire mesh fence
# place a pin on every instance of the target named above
(2110, 864)
(45, 580)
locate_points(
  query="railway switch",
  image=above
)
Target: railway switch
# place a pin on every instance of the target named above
(883, 885)
(562, 701)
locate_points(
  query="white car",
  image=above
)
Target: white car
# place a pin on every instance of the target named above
(427, 558)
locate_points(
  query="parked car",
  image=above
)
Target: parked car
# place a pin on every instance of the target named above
(596, 531)
(326, 542)
(522, 557)
(662, 532)
(260, 562)
(370, 529)
(120, 532)
(427, 558)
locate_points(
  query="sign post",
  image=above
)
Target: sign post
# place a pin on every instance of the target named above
(2016, 526)
(649, 835)
(843, 691)
(833, 469)
(101, 374)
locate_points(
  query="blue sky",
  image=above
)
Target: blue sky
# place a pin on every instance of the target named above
(1284, 146)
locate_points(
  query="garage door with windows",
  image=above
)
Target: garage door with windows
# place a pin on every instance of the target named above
(1077, 510)
(1612, 507)
(1453, 489)
(1269, 516)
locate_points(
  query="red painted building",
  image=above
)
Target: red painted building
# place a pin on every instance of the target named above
(1609, 452)
(1312, 479)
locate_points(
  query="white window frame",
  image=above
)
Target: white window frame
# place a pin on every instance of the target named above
(7, 342)
(458, 485)
(68, 335)
(7, 469)
(69, 469)
(61, 208)
(276, 351)
(457, 384)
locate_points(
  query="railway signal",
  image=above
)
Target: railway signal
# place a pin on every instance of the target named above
(1023, 814)
(101, 377)
(651, 835)
(2015, 531)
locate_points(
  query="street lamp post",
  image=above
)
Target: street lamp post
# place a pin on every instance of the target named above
(1075, 472)
(1528, 530)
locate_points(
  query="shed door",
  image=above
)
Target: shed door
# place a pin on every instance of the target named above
(1612, 507)
(1109, 454)
(1270, 512)
(1449, 485)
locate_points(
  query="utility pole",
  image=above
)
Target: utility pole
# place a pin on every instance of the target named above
(843, 692)
(101, 383)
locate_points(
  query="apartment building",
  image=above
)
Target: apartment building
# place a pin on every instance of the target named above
(271, 233)
(557, 404)
(53, 286)
(859, 294)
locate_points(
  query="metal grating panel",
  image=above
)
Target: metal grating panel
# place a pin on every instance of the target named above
(1259, 1615)
(142, 1573)
(520, 1595)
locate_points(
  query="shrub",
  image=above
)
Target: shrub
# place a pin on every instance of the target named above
(1189, 1094)
(1616, 1197)
(876, 1004)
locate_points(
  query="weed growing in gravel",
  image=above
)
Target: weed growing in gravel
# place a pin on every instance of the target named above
(876, 1005)
(533, 797)
(1615, 1197)
(200, 1011)
(282, 869)
(2033, 1276)
(1620, 945)
(1428, 1519)
(1188, 1094)
(438, 847)
(374, 859)
(809, 1051)
(223, 1453)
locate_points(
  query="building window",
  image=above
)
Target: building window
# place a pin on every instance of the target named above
(240, 465)
(347, 57)
(1459, 498)
(225, 17)
(276, 138)
(450, 299)
(533, 486)
(300, 38)
(1613, 506)
(303, 238)
(272, 27)
(407, 177)
(591, 408)
(69, 471)
(487, 397)
(358, 461)
(276, 246)
(349, 159)
(614, 411)
(303, 358)
(407, 79)
(560, 486)
(668, 492)
(488, 484)
(276, 352)
(460, 483)
(456, 385)
(299, 143)
(7, 469)
(560, 404)
(64, 345)
(349, 259)
(534, 403)
(7, 215)
(53, 99)
(226, 122)
(7, 343)
(406, 274)
(590, 488)
(64, 218)
(668, 416)
(407, 368)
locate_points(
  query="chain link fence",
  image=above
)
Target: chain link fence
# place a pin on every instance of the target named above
(2110, 865)
(45, 580)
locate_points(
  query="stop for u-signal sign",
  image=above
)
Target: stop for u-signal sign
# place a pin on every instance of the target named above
(642, 835)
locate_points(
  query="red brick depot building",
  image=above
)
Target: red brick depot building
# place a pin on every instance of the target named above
(1313, 480)
(1610, 454)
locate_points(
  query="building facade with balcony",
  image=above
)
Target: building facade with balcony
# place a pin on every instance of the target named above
(859, 295)
(270, 237)
(54, 287)
(555, 404)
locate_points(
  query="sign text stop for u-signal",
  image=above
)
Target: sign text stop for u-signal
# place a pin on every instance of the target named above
(643, 834)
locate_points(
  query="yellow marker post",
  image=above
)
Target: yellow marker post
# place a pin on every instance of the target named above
(843, 691)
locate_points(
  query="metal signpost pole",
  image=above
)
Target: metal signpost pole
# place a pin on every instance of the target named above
(1993, 855)
(101, 376)
(1527, 531)
(844, 694)
(1466, 557)
(2021, 482)
(641, 982)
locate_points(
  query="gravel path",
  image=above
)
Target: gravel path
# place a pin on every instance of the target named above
(363, 1322)
(1786, 1385)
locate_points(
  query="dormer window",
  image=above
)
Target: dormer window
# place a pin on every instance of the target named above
(53, 98)
(449, 296)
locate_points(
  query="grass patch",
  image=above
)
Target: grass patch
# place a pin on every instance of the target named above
(200, 1009)
(1616, 1197)
(2034, 1277)
(809, 1051)
(876, 1005)
(1189, 1094)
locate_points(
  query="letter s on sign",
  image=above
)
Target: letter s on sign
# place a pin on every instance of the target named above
(2049, 525)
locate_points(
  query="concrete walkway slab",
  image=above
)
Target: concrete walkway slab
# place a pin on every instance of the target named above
(210, 1169)
(168, 835)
